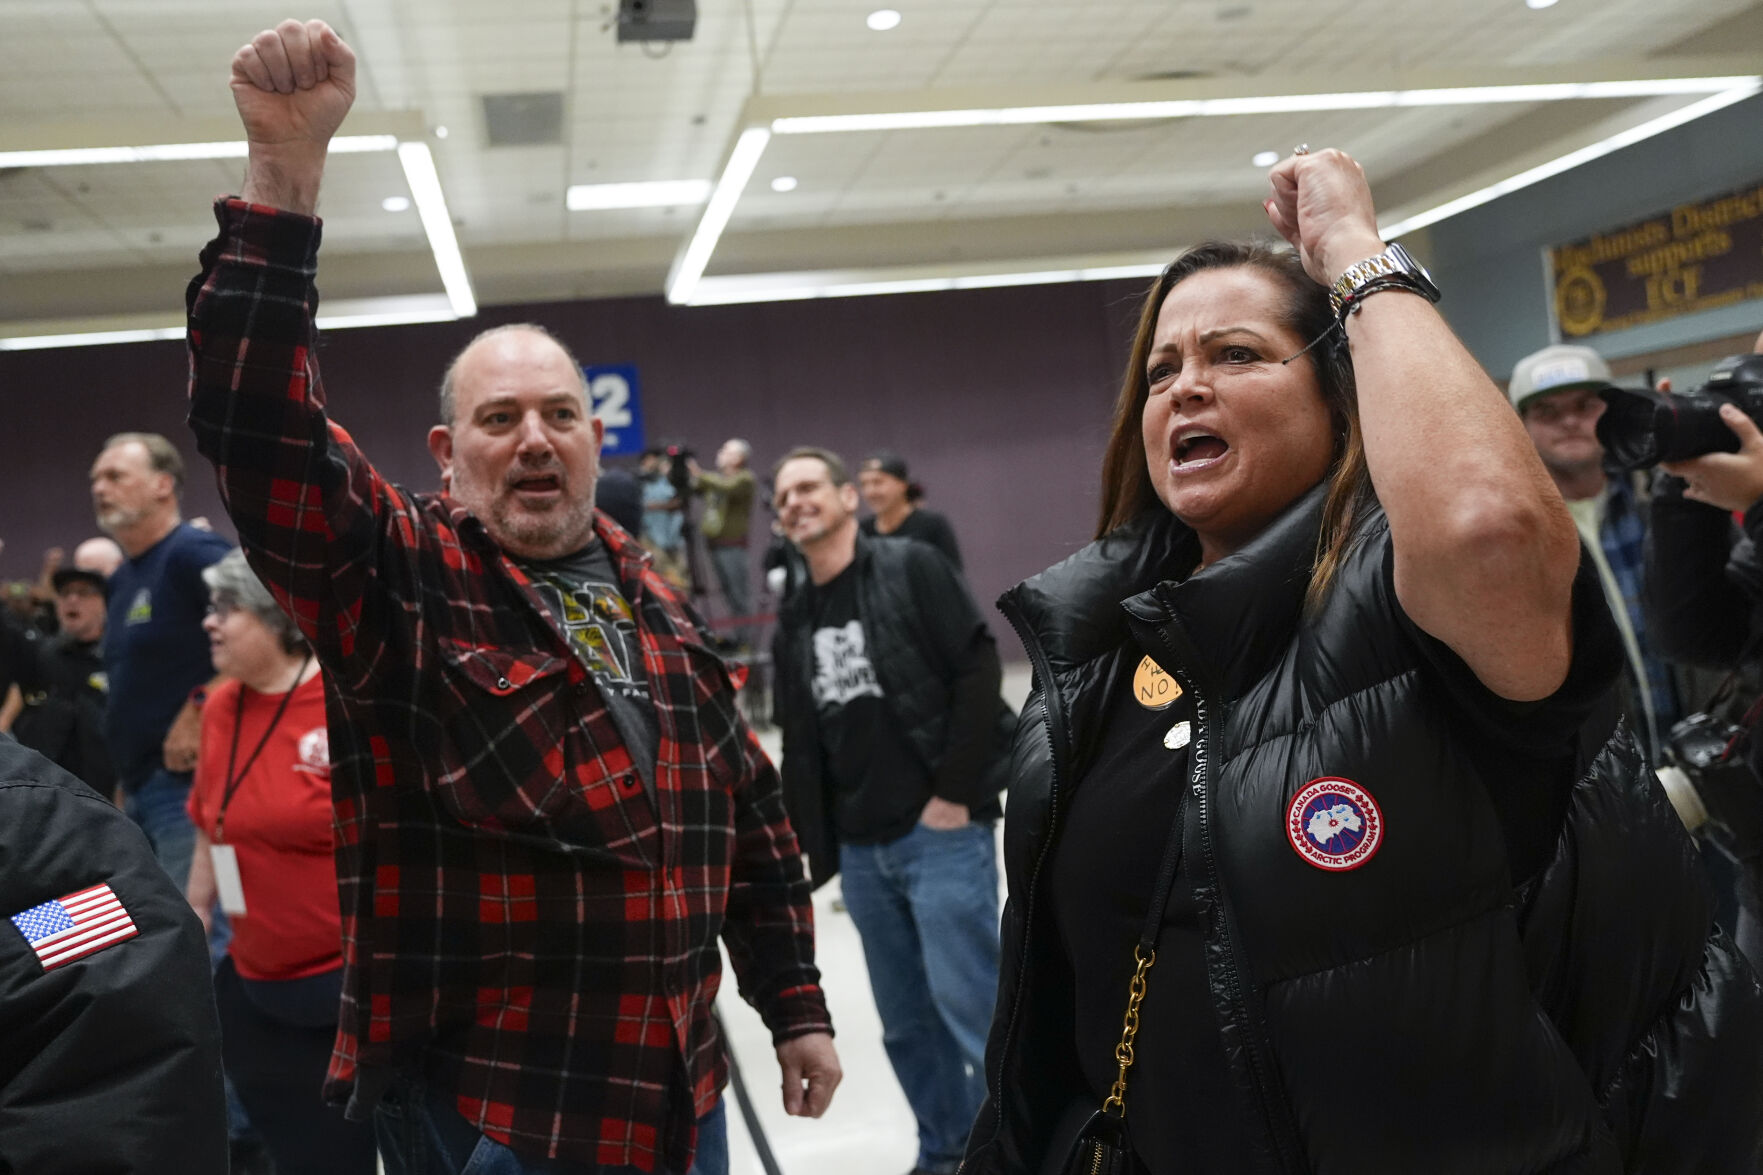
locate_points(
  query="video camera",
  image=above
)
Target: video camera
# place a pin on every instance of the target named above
(1641, 427)
(679, 469)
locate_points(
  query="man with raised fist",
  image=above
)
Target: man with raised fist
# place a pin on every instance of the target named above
(547, 804)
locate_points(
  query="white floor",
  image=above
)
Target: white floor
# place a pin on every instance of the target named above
(869, 1129)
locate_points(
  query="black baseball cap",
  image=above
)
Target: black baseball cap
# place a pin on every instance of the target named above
(67, 575)
(884, 461)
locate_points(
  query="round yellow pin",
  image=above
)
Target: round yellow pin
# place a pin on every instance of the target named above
(1153, 688)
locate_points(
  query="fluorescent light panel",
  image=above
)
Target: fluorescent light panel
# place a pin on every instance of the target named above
(652, 194)
(90, 338)
(1573, 159)
(437, 222)
(419, 173)
(164, 152)
(688, 286)
(724, 291)
(1268, 104)
(735, 174)
(389, 318)
(344, 314)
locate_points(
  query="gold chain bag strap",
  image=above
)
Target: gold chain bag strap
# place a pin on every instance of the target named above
(1090, 1141)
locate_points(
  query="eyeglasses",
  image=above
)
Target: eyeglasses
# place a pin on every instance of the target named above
(1555, 409)
(221, 609)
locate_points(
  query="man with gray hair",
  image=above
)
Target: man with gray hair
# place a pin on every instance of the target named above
(548, 807)
(729, 494)
(155, 652)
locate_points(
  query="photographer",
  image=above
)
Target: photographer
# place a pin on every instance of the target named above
(1704, 575)
(729, 494)
(1704, 595)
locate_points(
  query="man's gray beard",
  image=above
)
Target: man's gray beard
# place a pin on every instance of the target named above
(529, 535)
(118, 519)
(540, 533)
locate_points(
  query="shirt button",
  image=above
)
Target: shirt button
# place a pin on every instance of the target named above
(502, 683)
(630, 783)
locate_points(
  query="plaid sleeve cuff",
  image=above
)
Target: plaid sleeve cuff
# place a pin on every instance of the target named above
(256, 234)
(797, 1011)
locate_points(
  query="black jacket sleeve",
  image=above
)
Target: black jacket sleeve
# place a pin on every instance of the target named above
(109, 1064)
(939, 534)
(963, 645)
(1702, 589)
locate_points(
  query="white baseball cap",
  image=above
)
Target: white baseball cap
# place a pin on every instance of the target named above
(1559, 368)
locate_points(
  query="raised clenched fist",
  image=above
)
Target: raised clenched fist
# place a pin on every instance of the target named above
(293, 84)
(1322, 205)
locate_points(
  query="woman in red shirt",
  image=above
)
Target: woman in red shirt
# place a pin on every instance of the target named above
(261, 803)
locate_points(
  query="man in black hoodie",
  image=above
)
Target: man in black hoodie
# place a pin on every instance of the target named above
(894, 753)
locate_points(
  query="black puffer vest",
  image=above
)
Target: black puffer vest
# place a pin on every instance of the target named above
(1419, 1012)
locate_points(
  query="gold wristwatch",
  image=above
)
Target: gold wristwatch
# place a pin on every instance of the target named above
(1393, 268)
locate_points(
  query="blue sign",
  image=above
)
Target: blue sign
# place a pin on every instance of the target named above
(614, 394)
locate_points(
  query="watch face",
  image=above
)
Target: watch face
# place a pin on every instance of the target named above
(1406, 262)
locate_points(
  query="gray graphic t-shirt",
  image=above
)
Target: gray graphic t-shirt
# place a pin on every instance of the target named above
(583, 595)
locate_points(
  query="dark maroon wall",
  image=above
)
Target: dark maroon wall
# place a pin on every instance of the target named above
(998, 398)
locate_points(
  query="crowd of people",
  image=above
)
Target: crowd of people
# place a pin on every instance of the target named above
(1385, 800)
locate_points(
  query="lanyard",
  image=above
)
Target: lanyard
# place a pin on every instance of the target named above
(233, 781)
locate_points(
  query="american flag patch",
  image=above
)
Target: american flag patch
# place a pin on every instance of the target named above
(73, 927)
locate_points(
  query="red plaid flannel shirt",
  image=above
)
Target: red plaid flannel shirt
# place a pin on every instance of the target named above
(523, 916)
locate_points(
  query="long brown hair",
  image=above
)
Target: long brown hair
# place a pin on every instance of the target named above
(1126, 480)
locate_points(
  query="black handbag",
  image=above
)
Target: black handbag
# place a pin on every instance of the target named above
(1094, 1141)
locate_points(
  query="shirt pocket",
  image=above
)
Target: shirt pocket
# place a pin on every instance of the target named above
(500, 672)
(512, 760)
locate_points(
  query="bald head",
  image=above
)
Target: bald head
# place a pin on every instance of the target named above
(514, 341)
(99, 554)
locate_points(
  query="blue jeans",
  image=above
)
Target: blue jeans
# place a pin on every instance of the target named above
(420, 1133)
(157, 806)
(926, 907)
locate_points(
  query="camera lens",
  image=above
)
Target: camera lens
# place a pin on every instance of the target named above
(1636, 428)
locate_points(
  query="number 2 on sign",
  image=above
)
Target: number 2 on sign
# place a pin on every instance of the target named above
(611, 397)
